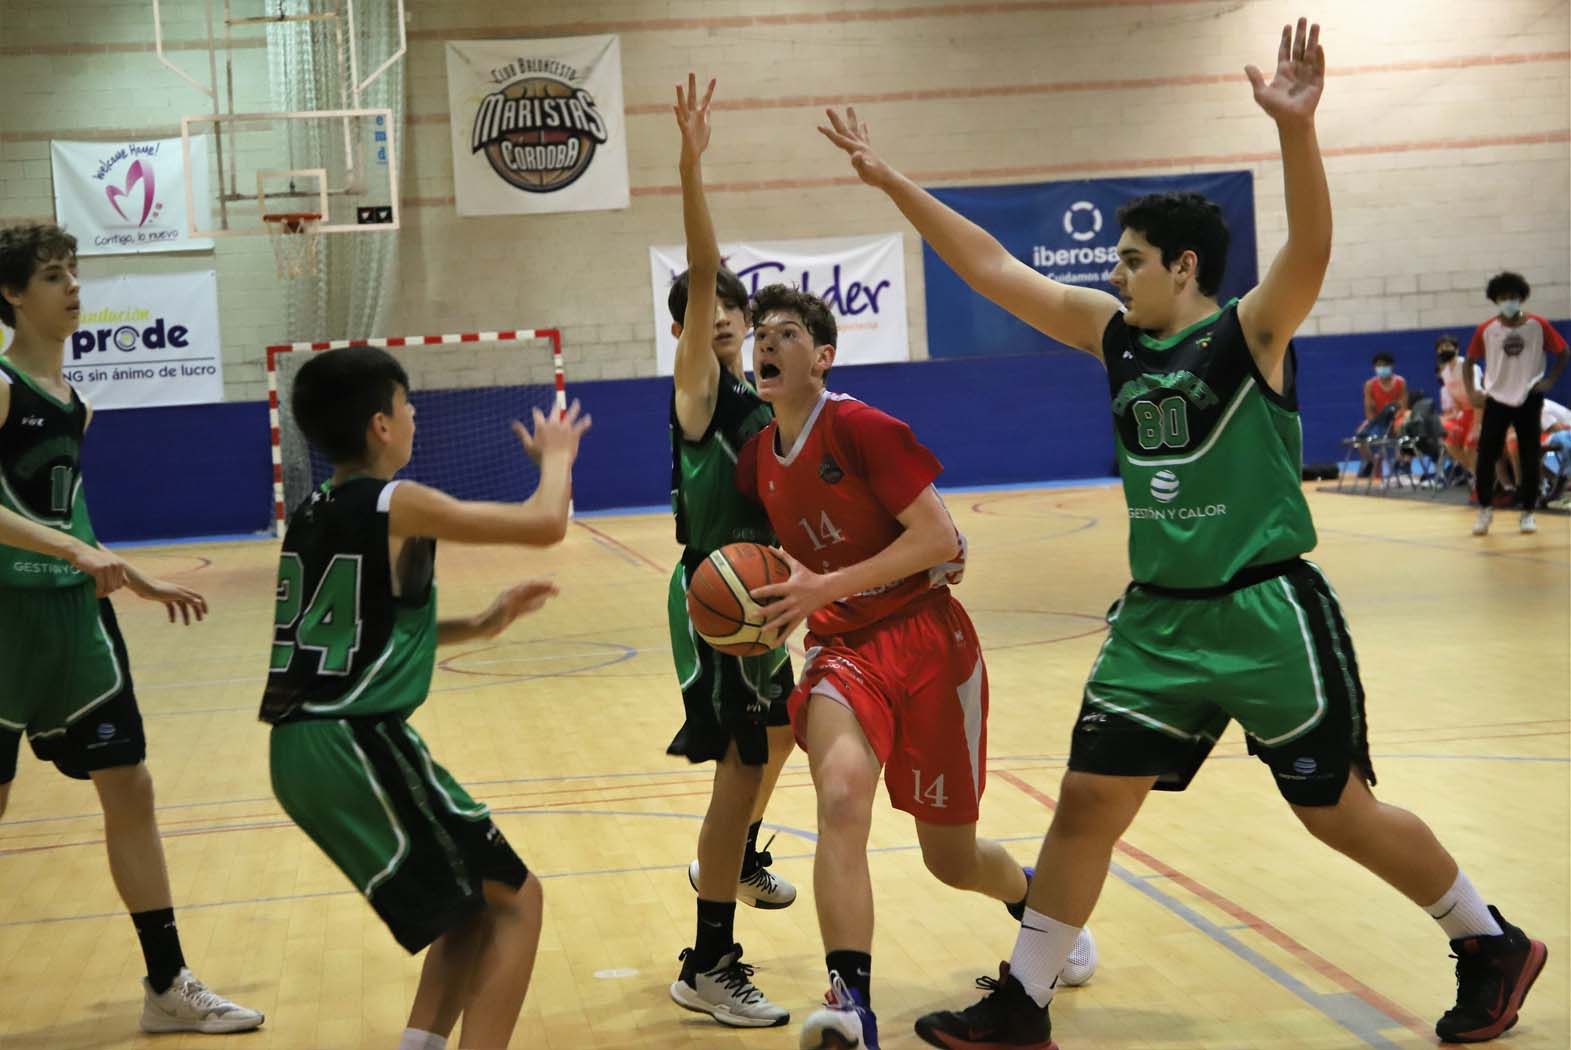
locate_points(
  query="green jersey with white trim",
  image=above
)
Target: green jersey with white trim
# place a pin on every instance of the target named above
(709, 512)
(41, 477)
(344, 644)
(1211, 456)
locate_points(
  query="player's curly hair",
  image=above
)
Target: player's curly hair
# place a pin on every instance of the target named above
(336, 394)
(24, 247)
(1507, 285)
(1182, 222)
(809, 309)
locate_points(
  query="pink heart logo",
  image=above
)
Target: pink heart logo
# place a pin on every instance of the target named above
(139, 171)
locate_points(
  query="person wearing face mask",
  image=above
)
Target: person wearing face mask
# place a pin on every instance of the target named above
(1384, 398)
(1457, 413)
(1514, 347)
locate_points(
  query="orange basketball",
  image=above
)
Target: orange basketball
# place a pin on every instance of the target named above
(719, 603)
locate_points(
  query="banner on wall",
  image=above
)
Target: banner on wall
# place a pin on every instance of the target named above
(1068, 231)
(120, 197)
(537, 125)
(860, 279)
(149, 339)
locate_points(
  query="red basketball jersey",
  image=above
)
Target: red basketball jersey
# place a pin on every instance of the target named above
(834, 496)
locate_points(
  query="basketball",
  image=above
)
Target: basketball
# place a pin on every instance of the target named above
(719, 601)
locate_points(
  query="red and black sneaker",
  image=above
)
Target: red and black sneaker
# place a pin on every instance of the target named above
(1493, 975)
(1007, 1018)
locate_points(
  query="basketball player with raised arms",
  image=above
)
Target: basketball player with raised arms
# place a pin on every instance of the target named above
(64, 677)
(735, 706)
(354, 647)
(1225, 619)
(894, 679)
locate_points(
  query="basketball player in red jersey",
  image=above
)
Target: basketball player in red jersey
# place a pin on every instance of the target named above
(894, 678)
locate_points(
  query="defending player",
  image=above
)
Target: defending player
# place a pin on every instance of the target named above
(64, 676)
(735, 706)
(1225, 619)
(354, 648)
(894, 679)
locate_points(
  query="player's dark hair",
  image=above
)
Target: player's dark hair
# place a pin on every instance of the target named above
(24, 247)
(336, 394)
(1382, 358)
(1506, 285)
(1178, 223)
(809, 309)
(728, 288)
(1446, 339)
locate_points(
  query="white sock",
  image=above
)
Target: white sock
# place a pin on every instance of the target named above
(418, 1039)
(1040, 952)
(1463, 913)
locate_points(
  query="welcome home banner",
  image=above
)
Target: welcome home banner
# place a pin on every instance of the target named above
(1068, 231)
(149, 339)
(537, 125)
(121, 197)
(860, 279)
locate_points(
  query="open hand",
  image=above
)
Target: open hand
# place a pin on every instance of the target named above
(692, 119)
(174, 597)
(1294, 91)
(852, 136)
(518, 600)
(790, 602)
(554, 434)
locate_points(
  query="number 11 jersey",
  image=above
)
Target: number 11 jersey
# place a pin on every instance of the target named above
(344, 645)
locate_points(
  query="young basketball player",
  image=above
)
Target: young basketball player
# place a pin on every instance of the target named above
(64, 677)
(354, 648)
(894, 679)
(1206, 417)
(735, 705)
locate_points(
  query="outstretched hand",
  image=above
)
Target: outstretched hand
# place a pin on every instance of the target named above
(175, 599)
(518, 600)
(1294, 92)
(853, 136)
(692, 119)
(554, 433)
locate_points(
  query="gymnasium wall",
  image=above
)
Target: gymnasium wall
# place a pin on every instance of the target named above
(1445, 126)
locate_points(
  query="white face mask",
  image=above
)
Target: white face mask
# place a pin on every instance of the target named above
(1510, 308)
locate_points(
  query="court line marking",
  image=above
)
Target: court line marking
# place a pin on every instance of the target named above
(1398, 1016)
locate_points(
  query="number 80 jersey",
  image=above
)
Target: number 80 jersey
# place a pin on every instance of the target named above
(344, 645)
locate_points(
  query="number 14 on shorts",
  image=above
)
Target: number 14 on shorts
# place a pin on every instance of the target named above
(933, 794)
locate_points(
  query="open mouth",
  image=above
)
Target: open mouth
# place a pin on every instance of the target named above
(769, 370)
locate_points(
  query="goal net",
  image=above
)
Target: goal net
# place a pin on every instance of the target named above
(466, 388)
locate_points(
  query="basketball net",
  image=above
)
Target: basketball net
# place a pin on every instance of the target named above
(294, 236)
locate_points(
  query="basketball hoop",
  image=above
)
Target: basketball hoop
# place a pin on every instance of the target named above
(294, 235)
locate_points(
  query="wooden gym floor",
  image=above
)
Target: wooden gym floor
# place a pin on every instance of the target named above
(1223, 924)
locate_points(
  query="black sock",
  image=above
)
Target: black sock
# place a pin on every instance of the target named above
(750, 855)
(160, 946)
(716, 936)
(855, 969)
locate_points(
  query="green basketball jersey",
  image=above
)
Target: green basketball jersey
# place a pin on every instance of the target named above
(709, 512)
(1211, 456)
(343, 644)
(41, 477)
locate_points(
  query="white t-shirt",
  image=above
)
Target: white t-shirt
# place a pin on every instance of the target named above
(1514, 356)
(1554, 414)
(1453, 390)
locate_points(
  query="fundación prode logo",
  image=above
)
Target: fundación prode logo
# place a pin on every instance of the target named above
(538, 130)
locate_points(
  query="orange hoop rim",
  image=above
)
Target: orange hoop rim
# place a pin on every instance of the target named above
(292, 221)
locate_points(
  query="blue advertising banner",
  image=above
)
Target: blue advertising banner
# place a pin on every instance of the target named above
(1068, 231)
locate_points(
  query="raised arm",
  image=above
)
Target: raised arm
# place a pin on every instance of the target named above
(539, 521)
(697, 371)
(1073, 316)
(1273, 310)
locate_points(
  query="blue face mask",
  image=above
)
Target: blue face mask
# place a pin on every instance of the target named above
(1510, 308)
(1383, 371)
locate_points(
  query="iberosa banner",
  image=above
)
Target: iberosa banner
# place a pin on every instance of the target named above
(537, 125)
(120, 197)
(860, 279)
(149, 339)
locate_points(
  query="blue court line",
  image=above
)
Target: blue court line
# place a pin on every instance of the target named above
(1345, 1008)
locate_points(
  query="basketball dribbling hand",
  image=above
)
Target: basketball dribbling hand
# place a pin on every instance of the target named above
(852, 136)
(1294, 91)
(554, 435)
(518, 600)
(790, 602)
(692, 119)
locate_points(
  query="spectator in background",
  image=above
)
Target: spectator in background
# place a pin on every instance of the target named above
(1555, 447)
(1384, 396)
(1514, 347)
(1457, 413)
